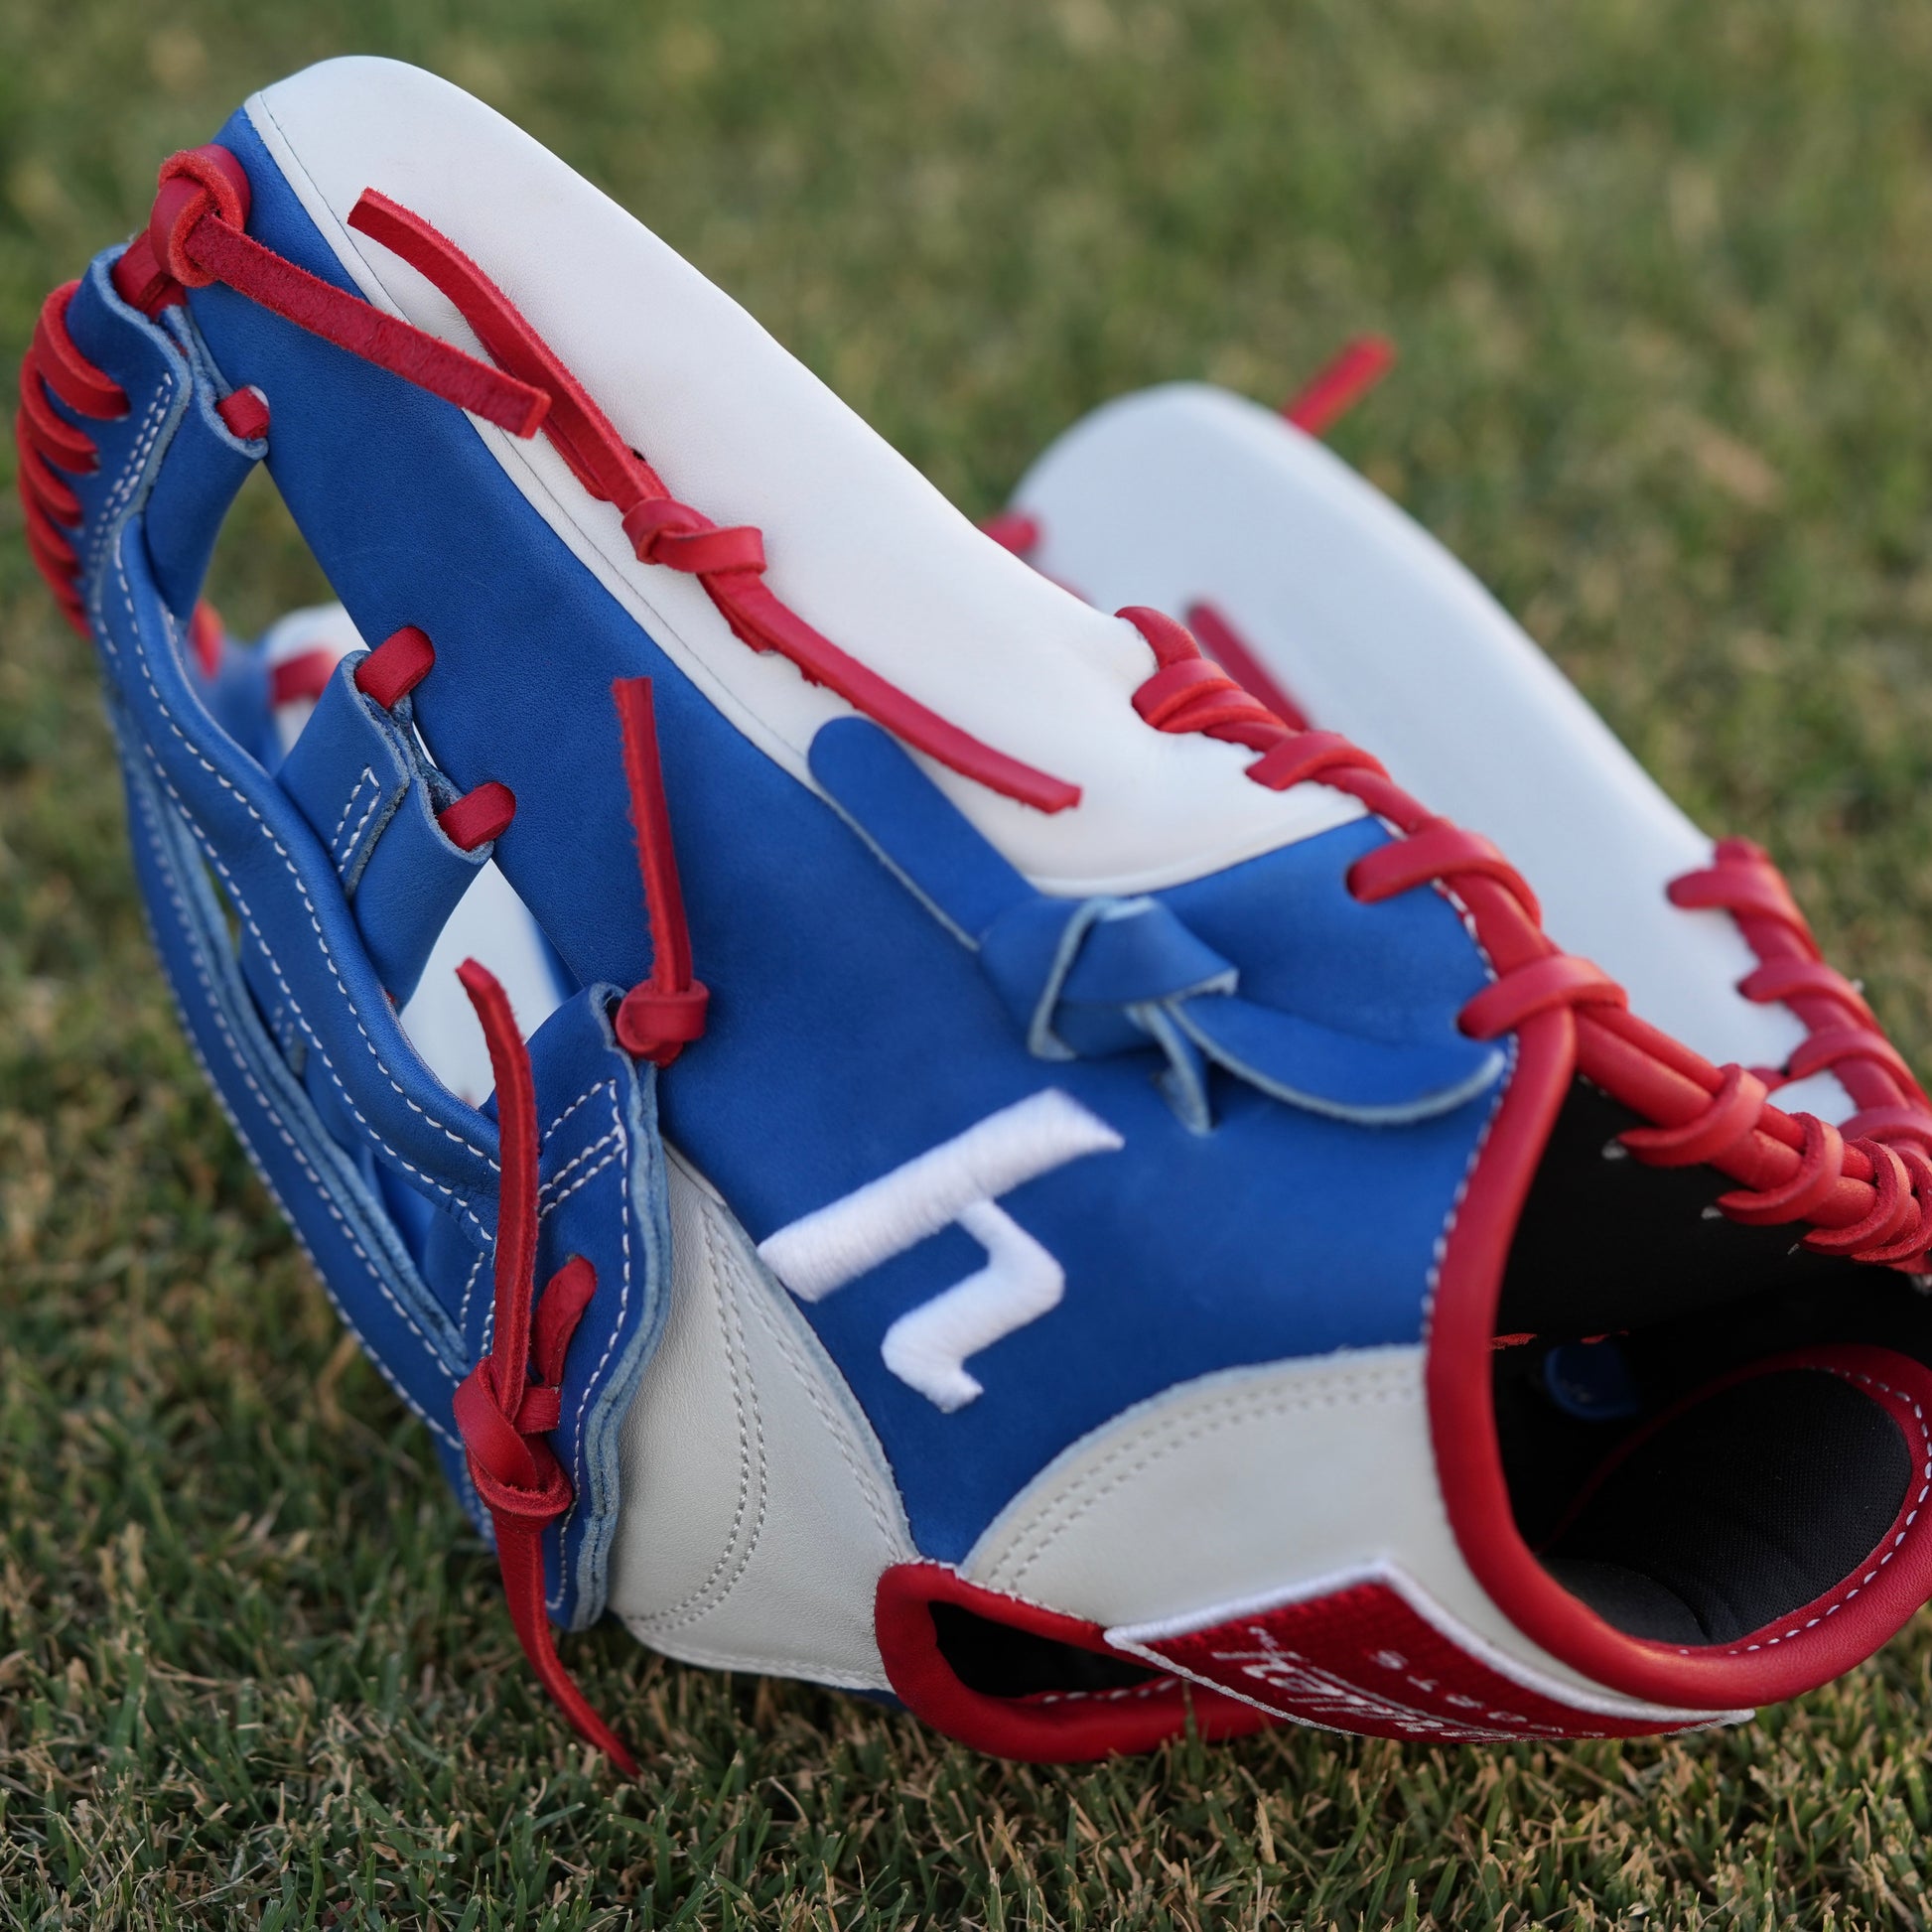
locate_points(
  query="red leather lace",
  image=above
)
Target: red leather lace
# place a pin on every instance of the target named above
(195, 235)
(501, 1414)
(1864, 1197)
(663, 1014)
(50, 445)
(1341, 384)
(1845, 1037)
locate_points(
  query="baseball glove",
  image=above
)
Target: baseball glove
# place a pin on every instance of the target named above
(1051, 1276)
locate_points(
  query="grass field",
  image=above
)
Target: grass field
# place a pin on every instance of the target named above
(1662, 278)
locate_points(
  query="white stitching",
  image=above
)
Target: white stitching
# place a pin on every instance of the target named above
(302, 892)
(587, 1094)
(840, 1426)
(591, 1387)
(341, 853)
(1226, 1412)
(269, 1107)
(469, 1288)
(697, 1604)
(550, 1206)
(577, 1159)
(308, 1033)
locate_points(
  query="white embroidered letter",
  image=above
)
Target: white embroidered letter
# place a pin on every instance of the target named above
(956, 1181)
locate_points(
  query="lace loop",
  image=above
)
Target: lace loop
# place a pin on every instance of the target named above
(1728, 1122)
(1821, 1161)
(1436, 850)
(1892, 1211)
(48, 445)
(1542, 985)
(664, 531)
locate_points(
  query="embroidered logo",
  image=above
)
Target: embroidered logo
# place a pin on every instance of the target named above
(957, 1183)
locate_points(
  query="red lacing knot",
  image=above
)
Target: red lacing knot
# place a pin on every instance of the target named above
(48, 445)
(503, 1415)
(1868, 1194)
(664, 531)
(1845, 1038)
(662, 1014)
(196, 235)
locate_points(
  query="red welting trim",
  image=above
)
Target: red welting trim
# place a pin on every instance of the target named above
(245, 412)
(396, 666)
(1044, 1728)
(305, 675)
(1468, 1461)
(478, 817)
(1337, 388)
(1568, 1023)
(1229, 650)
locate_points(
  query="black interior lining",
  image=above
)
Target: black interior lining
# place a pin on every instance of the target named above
(998, 1661)
(1753, 1503)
